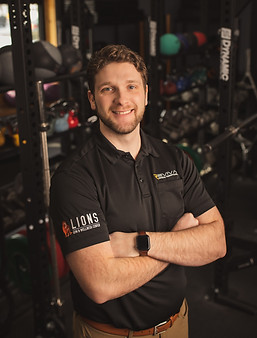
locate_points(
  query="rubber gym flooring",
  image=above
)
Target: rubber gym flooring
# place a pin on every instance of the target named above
(207, 317)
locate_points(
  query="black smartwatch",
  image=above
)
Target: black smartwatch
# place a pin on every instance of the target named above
(143, 243)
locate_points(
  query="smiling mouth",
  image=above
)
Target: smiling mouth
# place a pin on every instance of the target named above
(124, 112)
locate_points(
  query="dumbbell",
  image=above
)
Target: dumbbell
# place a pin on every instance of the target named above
(73, 120)
(182, 83)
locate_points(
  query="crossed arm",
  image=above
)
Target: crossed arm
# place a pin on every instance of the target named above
(112, 269)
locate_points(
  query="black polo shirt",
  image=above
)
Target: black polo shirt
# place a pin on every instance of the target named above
(100, 190)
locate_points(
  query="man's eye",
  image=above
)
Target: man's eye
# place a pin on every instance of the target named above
(132, 86)
(107, 89)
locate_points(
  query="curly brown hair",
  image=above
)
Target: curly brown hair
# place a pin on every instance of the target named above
(114, 53)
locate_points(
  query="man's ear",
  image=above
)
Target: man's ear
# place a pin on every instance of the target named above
(91, 99)
(146, 95)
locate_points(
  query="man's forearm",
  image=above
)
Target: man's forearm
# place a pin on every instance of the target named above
(128, 274)
(194, 246)
(104, 277)
(192, 241)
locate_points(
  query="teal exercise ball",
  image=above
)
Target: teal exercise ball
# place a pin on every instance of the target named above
(169, 44)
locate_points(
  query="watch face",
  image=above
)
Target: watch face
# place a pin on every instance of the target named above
(143, 242)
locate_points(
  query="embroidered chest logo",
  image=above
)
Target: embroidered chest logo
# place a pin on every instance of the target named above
(165, 175)
(81, 223)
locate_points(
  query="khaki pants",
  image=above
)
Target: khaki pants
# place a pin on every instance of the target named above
(179, 330)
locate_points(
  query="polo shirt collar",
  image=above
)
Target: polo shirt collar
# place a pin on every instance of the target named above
(113, 154)
(146, 145)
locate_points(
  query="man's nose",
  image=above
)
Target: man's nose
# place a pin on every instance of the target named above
(121, 96)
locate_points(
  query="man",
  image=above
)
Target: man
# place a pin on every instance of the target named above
(130, 211)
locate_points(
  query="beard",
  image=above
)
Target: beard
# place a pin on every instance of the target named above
(127, 128)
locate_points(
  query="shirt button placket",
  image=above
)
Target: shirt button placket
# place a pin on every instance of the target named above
(137, 170)
(141, 180)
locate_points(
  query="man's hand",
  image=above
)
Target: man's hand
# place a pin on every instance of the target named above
(185, 222)
(191, 243)
(124, 244)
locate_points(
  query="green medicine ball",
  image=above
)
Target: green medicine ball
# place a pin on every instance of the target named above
(193, 155)
(169, 44)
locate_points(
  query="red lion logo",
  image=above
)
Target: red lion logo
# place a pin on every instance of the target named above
(66, 229)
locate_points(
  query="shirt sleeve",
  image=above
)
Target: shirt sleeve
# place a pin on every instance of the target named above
(197, 199)
(75, 211)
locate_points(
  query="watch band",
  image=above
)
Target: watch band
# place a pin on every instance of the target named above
(143, 252)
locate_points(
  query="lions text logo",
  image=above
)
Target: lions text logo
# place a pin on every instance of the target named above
(165, 175)
(81, 223)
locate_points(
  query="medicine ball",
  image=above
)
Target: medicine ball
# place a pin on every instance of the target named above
(193, 155)
(191, 40)
(201, 38)
(52, 91)
(71, 59)
(183, 41)
(6, 66)
(47, 59)
(169, 44)
(10, 98)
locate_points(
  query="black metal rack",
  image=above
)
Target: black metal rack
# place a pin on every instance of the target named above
(152, 28)
(47, 308)
(30, 157)
(229, 33)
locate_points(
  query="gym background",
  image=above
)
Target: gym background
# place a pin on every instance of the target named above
(201, 56)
